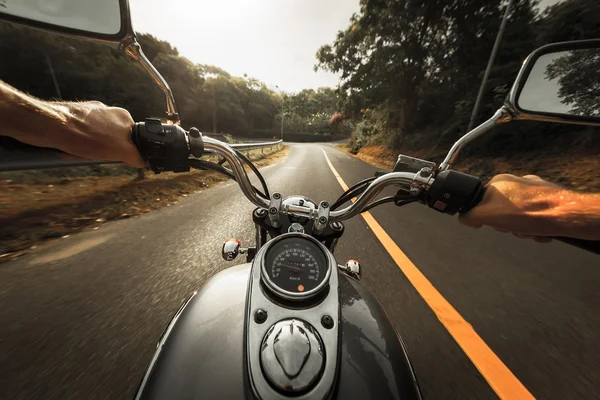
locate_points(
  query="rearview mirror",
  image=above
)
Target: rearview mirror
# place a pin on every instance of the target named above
(559, 83)
(106, 20)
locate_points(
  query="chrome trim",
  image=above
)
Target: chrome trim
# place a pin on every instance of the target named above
(258, 237)
(231, 249)
(292, 359)
(352, 268)
(285, 294)
(405, 180)
(322, 218)
(295, 228)
(134, 50)
(255, 332)
(299, 211)
(501, 116)
(228, 153)
(402, 179)
(275, 210)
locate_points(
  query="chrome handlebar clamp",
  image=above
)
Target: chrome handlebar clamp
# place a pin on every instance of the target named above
(322, 218)
(275, 210)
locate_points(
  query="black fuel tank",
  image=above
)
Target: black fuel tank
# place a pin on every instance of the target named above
(374, 363)
(201, 353)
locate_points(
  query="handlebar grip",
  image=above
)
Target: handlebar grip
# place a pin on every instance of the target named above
(467, 191)
(454, 191)
(589, 245)
(166, 147)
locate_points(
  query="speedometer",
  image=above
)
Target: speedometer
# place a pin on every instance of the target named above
(296, 267)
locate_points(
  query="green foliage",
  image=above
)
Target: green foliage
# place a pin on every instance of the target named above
(310, 111)
(207, 96)
(418, 64)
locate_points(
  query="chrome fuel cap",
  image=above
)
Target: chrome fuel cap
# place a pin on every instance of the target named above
(292, 355)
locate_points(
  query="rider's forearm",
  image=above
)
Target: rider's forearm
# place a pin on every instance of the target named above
(31, 120)
(575, 214)
(88, 129)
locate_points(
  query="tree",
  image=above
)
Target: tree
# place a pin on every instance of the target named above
(579, 87)
(569, 20)
(413, 60)
(206, 96)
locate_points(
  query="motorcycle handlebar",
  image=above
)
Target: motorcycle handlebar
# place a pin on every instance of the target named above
(166, 147)
(237, 168)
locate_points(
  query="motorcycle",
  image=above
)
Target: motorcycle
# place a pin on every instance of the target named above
(291, 322)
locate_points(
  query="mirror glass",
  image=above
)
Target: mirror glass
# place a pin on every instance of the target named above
(564, 82)
(100, 17)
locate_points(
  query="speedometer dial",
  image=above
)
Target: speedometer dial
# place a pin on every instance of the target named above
(296, 265)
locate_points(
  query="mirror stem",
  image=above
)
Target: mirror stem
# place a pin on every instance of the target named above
(135, 51)
(501, 116)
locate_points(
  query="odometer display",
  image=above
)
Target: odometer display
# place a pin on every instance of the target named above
(296, 265)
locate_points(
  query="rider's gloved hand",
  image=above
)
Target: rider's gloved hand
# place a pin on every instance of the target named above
(533, 208)
(84, 129)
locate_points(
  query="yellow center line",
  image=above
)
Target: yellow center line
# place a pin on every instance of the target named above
(500, 378)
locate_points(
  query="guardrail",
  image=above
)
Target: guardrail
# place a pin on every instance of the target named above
(38, 158)
(252, 146)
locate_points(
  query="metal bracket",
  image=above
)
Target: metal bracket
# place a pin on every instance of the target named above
(424, 178)
(134, 50)
(411, 164)
(322, 218)
(275, 210)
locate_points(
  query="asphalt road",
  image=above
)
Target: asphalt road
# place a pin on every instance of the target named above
(80, 317)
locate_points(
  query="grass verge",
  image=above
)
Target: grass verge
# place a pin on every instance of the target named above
(40, 205)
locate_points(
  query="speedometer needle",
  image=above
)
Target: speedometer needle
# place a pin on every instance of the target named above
(289, 266)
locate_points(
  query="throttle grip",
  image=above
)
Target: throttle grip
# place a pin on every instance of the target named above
(166, 147)
(588, 245)
(454, 191)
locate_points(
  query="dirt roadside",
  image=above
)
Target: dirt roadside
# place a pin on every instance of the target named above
(578, 172)
(36, 207)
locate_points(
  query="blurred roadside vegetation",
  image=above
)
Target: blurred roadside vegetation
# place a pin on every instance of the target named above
(207, 97)
(411, 71)
(38, 205)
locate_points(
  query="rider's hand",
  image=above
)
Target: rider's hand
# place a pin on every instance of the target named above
(95, 131)
(83, 129)
(531, 207)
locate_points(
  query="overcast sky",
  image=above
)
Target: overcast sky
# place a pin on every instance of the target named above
(272, 40)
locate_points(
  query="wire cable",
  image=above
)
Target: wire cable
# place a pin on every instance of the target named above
(258, 175)
(352, 192)
(399, 201)
(207, 165)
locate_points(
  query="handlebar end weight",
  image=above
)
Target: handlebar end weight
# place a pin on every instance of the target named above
(454, 192)
(163, 146)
